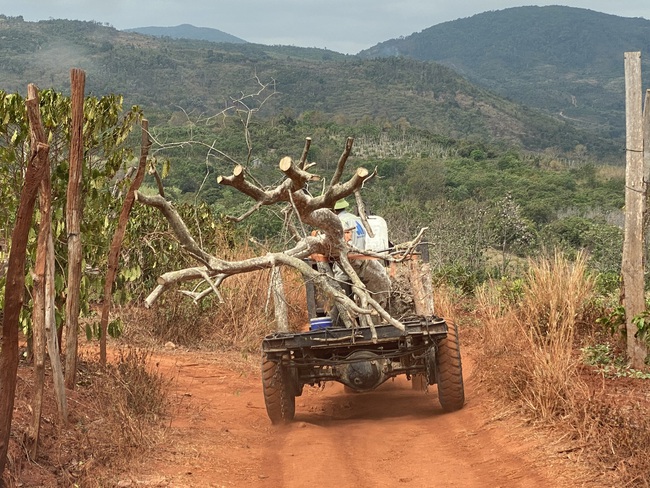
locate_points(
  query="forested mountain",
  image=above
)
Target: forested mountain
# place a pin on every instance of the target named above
(566, 61)
(187, 31)
(476, 168)
(164, 75)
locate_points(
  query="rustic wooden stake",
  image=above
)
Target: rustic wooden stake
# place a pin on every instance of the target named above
(279, 301)
(15, 283)
(633, 264)
(52, 336)
(73, 226)
(38, 313)
(118, 237)
(420, 280)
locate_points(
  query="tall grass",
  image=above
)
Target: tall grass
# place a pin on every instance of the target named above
(530, 358)
(246, 314)
(530, 340)
(118, 417)
(555, 293)
(134, 396)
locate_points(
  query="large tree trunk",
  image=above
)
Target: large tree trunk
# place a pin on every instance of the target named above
(309, 211)
(118, 237)
(73, 226)
(15, 283)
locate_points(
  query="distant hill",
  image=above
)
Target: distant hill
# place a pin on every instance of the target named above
(187, 31)
(165, 75)
(566, 61)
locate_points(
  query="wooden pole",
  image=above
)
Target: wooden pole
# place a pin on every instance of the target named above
(646, 144)
(632, 265)
(118, 237)
(38, 313)
(52, 337)
(73, 226)
(422, 288)
(15, 283)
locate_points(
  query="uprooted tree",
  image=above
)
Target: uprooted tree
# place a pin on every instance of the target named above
(317, 230)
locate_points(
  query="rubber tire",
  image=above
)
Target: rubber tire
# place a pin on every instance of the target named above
(278, 394)
(451, 391)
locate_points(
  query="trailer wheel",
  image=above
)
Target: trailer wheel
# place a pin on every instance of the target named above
(279, 394)
(449, 371)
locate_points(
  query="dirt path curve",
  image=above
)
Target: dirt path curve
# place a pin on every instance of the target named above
(220, 436)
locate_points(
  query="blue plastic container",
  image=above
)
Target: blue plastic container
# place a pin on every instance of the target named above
(320, 323)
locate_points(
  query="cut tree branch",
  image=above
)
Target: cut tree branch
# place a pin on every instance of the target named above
(341, 164)
(313, 211)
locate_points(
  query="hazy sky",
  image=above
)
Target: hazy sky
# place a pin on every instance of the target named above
(346, 26)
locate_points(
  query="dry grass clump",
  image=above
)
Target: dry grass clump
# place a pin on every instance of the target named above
(136, 393)
(115, 417)
(529, 336)
(447, 302)
(615, 436)
(129, 398)
(246, 314)
(531, 358)
(554, 296)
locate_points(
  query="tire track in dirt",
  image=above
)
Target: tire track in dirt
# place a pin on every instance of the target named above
(220, 436)
(396, 436)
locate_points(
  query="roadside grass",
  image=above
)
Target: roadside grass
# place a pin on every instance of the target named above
(532, 335)
(116, 415)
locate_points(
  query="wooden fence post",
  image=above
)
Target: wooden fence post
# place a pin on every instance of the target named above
(73, 226)
(118, 238)
(38, 311)
(633, 263)
(15, 283)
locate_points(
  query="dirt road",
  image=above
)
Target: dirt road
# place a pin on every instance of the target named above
(220, 436)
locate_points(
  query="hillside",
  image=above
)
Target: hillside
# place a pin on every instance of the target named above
(567, 61)
(163, 75)
(187, 31)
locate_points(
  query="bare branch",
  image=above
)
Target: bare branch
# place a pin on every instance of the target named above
(116, 192)
(178, 226)
(305, 151)
(246, 214)
(361, 209)
(409, 246)
(295, 174)
(293, 206)
(153, 171)
(342, 160)
(213, 288)
(288, 222)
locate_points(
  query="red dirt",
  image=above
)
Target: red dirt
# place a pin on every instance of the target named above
(220, 436)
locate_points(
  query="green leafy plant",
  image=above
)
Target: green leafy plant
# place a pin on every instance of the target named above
(598, 355)
(611, 365)
(614, 320)
(115, 329)
(107, 149)
(642, 323)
